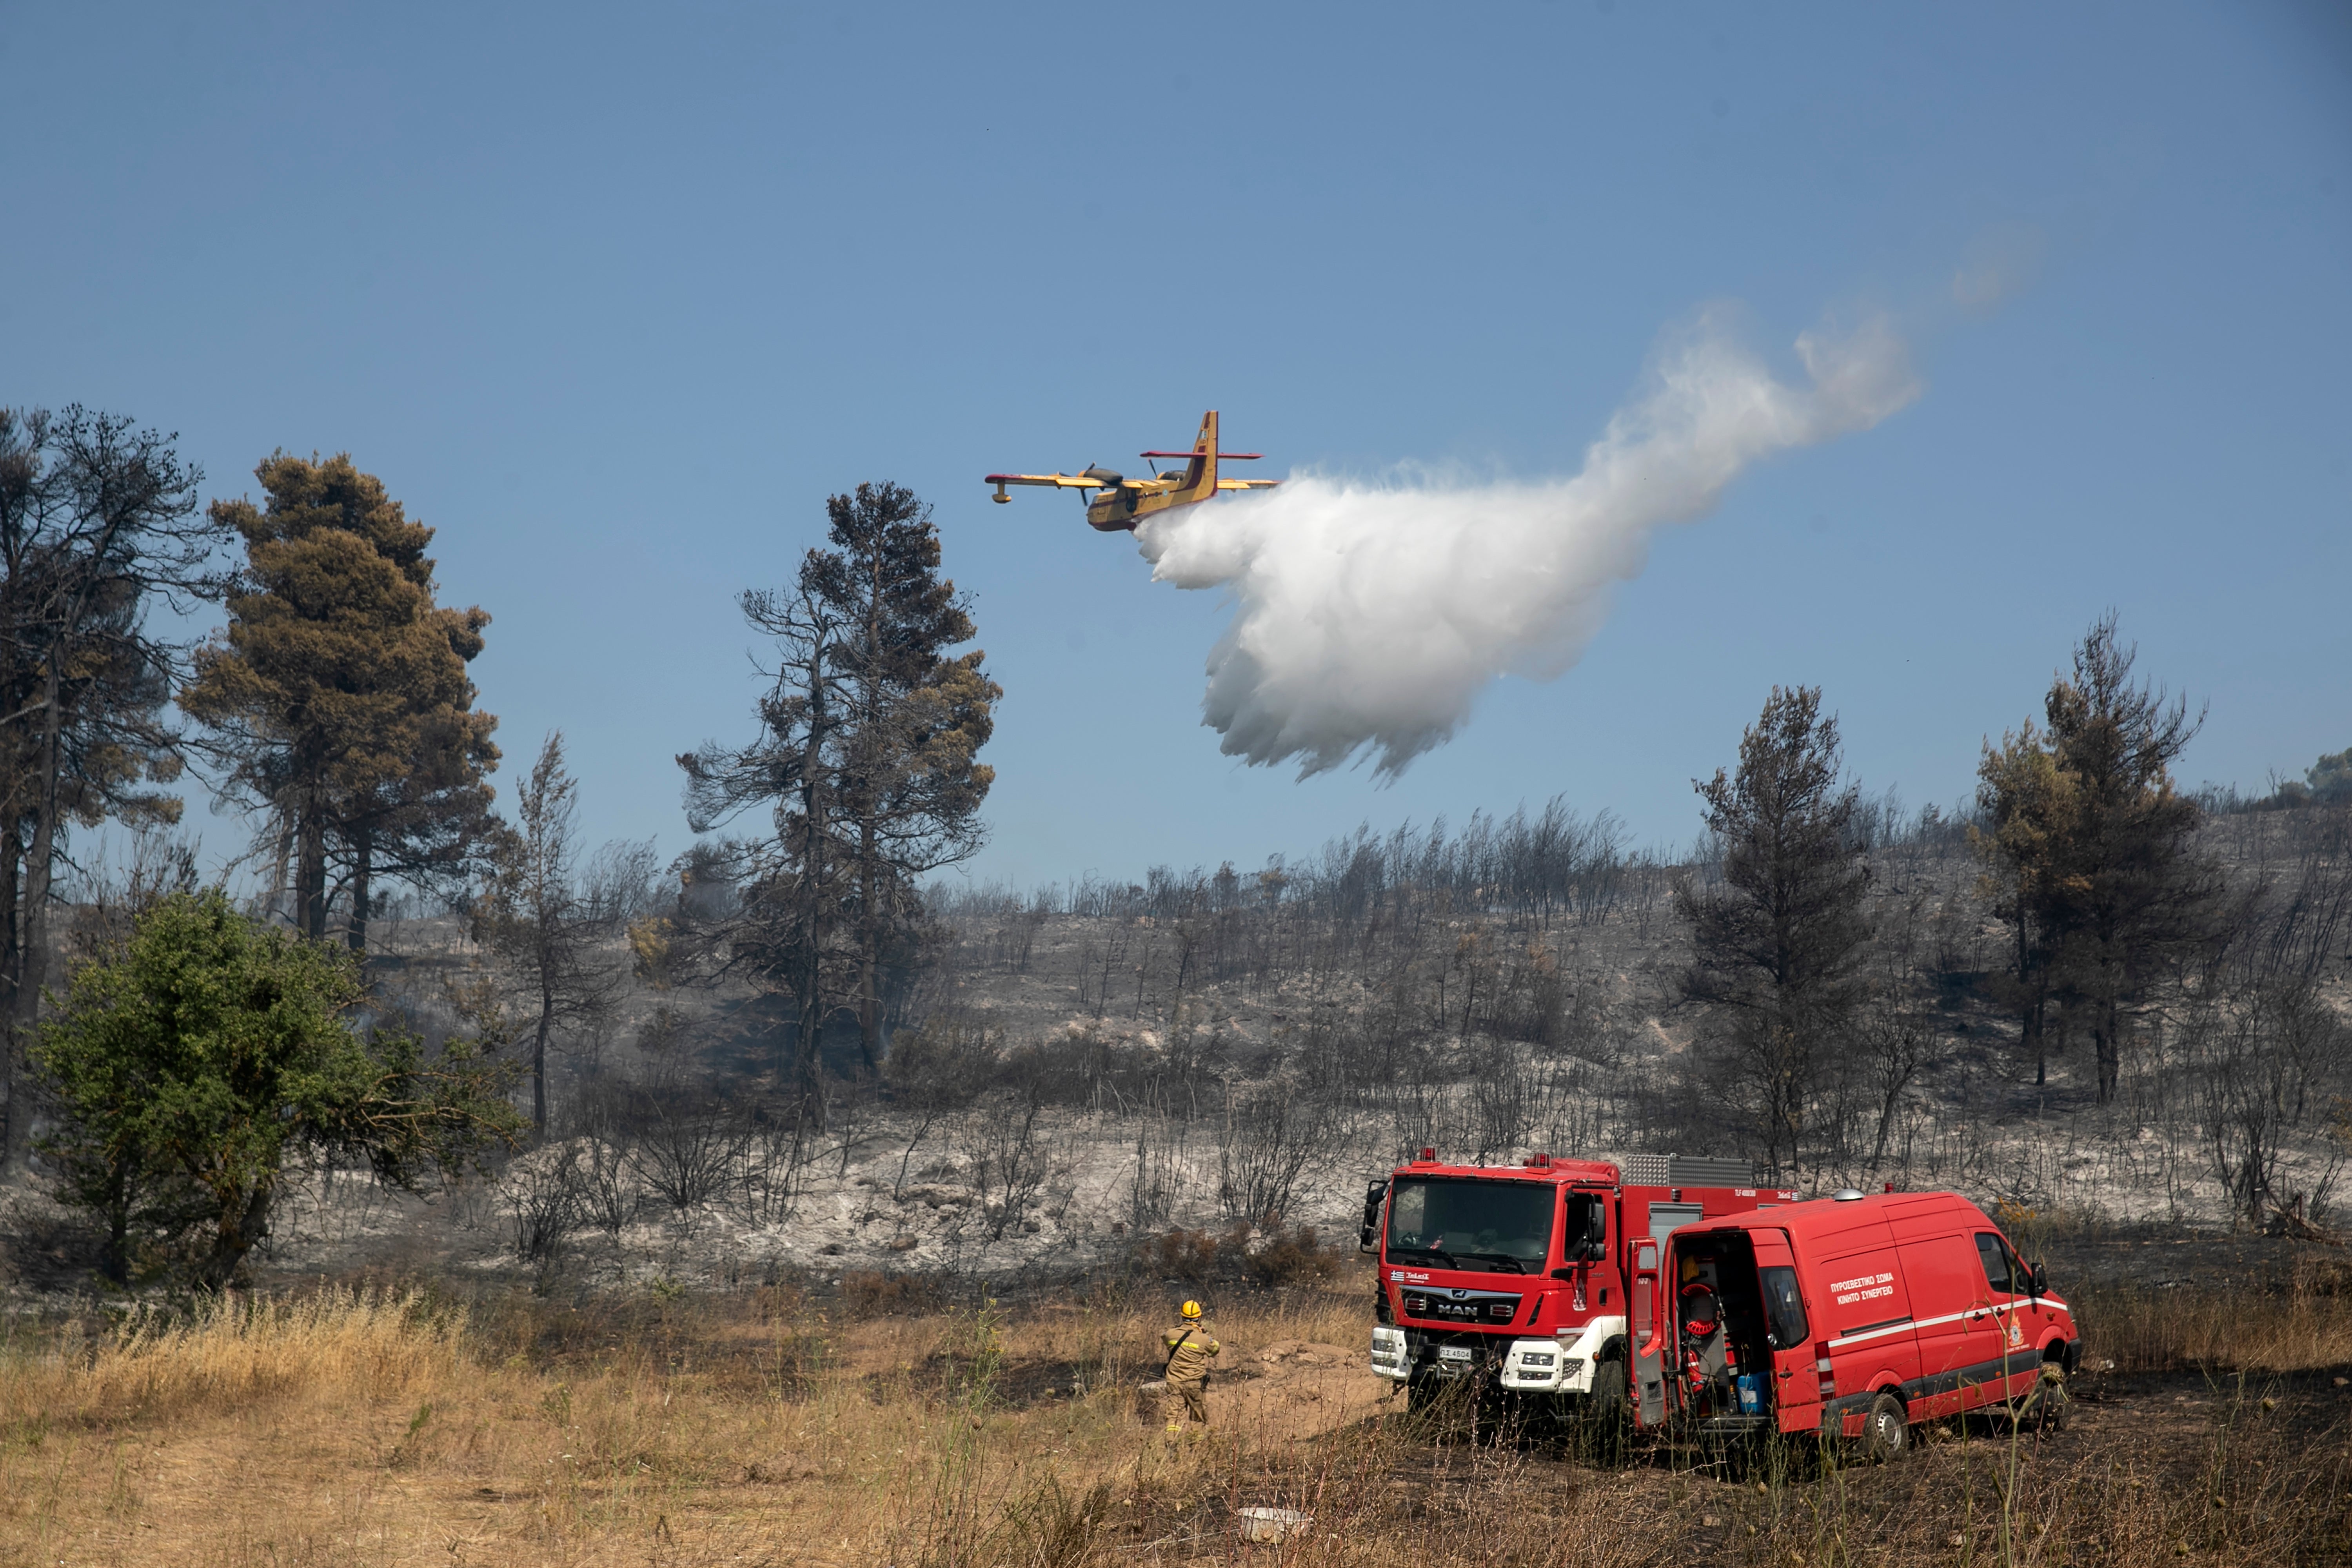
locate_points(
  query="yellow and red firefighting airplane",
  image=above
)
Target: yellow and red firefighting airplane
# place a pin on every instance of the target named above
(1124, 501)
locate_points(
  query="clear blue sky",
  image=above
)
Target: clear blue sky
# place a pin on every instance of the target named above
(615, 296)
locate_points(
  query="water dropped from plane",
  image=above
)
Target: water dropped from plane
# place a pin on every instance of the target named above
(1370, 616)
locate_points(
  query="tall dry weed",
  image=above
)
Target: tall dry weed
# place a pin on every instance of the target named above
(2305, 1327)
(981, 1438)
(232, 1350)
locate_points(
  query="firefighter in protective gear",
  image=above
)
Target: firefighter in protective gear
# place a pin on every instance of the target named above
(1190, 1348)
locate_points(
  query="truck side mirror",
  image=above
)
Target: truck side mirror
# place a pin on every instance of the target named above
(2037, 1280)
(1368, 1235)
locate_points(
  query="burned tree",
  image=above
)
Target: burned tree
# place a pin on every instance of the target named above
(2268, 1049)
(535, 918)
(2092, 854)
(1777, 950)
(2026, 802)
(868, 762)
(98, 524)
(912, 782)
(784, 930)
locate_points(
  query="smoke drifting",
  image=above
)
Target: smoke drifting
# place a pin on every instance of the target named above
(1369, 617)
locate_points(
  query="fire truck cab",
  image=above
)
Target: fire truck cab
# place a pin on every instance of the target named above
(1523, 1281)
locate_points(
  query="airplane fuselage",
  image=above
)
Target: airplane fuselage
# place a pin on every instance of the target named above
(1120, 508)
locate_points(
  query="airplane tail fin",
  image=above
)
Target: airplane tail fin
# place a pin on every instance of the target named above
(1202, 470)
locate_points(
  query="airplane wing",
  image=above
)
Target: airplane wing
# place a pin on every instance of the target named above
(1247, 484)
(1060, 481)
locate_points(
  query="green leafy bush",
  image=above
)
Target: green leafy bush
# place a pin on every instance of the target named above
(199, 1053)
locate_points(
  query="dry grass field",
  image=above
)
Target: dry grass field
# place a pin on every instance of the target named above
(392, 1427)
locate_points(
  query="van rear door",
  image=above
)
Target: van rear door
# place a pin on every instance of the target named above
(1796, 1387)
(1646, 1326)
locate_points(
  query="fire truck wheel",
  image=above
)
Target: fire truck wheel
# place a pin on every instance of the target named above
(1600, 1426)
(1883, 1434)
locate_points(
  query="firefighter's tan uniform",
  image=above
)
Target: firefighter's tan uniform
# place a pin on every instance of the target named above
(1190, 1348)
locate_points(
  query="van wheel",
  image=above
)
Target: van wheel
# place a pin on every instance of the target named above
(1884, 1435)
(2050, 1407)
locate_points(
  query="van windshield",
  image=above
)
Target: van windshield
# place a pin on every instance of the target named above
(1457, 1222)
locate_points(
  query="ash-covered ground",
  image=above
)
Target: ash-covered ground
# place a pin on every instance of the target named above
(1070, 1078)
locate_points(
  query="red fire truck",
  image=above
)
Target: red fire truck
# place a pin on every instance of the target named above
(1520, 1281)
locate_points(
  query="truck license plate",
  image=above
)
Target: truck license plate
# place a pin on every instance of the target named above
(1453, 1353)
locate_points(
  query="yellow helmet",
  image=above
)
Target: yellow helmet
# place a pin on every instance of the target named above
(1191, 1309)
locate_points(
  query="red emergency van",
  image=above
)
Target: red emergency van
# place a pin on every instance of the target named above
(1853, 1316)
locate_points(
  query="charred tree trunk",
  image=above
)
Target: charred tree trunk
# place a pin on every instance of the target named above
(281, 898)
(815, 874)
(32, 969)
(538, 1059)
(2031, 1011)
(2106, 1035)
(869, 949)
(311, 872)
(12, 959)
(363, 870)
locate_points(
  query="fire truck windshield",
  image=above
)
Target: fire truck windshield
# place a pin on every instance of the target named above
(1461, 1222)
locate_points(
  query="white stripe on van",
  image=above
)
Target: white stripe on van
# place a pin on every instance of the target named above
(1890, 1328)
(1947, 1318)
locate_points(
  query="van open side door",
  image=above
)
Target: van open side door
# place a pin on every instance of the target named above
(1646, 1325)
(1798, 1385)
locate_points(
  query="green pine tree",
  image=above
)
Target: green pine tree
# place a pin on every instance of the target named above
(340, 694)
(868, 762)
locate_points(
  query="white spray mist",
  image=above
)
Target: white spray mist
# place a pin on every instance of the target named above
(1371, 617)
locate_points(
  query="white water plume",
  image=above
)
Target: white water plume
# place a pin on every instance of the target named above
(1370, 616)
